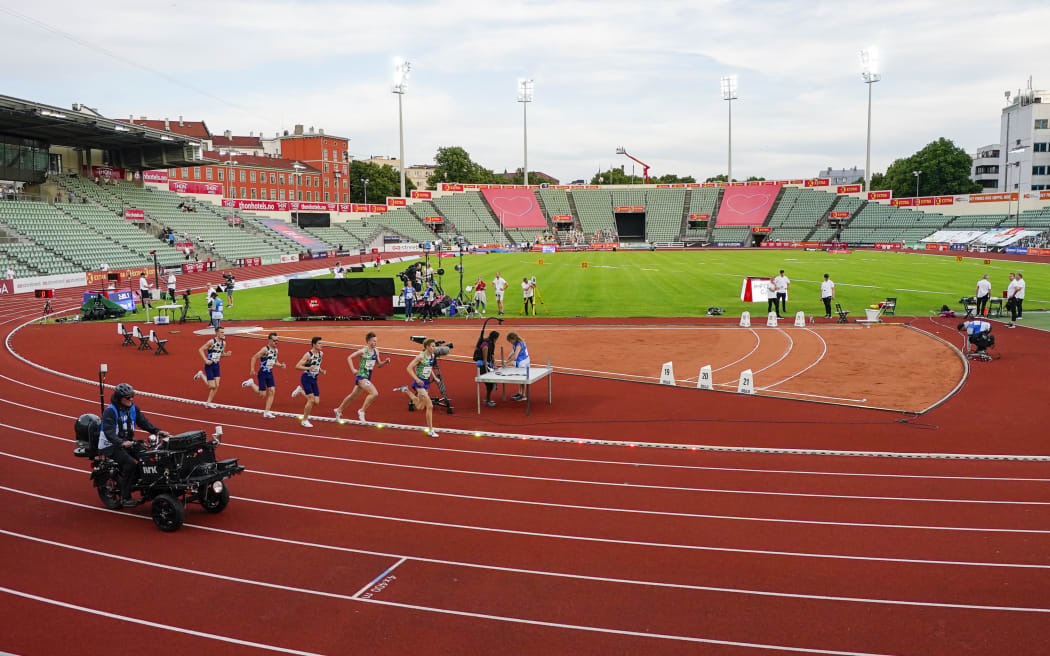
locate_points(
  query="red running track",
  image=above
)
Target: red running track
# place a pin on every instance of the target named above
(348, 539)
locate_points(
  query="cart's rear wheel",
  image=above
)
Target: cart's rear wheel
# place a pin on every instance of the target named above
(109, 493)
(215, 502)
(167, 513)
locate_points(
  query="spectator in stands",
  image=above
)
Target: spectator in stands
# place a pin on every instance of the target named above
(827, 293)
(10, 273)
(144, 290)
(96, 179)
(984, 291)
(782, 283)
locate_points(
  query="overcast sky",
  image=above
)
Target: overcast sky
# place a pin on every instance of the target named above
(644, 75)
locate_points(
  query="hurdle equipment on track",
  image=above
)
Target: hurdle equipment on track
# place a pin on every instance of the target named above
(745, 319)
(771, 320)
(747, 382)
(800, 319)
(667, 374)
(704, 380)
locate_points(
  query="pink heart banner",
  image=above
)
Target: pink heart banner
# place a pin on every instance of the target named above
(746, 206)
(516, 208)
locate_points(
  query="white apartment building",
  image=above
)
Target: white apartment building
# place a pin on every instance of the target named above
(985, 168)
(1025, 133)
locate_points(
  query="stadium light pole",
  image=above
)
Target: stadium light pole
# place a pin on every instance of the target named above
(525, 88)
(364, 182)
(1017, 163)
(401, 69)
(916, 174)
(296, 166)
(729, 87)
(869, 62)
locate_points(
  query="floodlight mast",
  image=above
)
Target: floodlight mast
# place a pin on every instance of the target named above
(729, 88)
(645, 167)
(869, 62)
(525, 88)
(401, 69)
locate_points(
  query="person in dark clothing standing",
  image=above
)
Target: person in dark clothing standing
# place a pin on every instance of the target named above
(484, 358)
(119, 421)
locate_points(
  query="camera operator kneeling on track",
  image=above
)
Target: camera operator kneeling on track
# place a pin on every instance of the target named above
(119, 420)
(980, 334)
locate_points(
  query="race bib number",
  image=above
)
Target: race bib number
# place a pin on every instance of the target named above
(426, 373)
(369, 364)
(315, 370)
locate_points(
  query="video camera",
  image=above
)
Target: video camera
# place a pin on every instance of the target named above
(228, 277)
(439, 344)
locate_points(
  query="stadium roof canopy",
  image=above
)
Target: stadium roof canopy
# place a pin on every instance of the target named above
(129, 146)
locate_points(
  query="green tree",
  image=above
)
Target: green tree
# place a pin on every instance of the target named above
(721, 177)
(945, 171)
(615, 176)
(453, 164)
(671, 178)
(754, 178)
(383, 181)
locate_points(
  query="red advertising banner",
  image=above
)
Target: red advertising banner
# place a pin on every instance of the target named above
(945, 200)
(992, 198)
(155, 176)
(762, 230)
(798, 182)
(693, 185)
(313, 207)
(251, 261)
(258, 205)
(377, 209)
(359, 207)
(903, 202)
(421, 194)
(887, 246)
(433, 219)
(663, 186)
(699, 217)
(754, 183)
(839, 251)
(342, 306)
(7, 287)
(135, 215)
(470, 186)
(629, 209)
(880, 195)
(838, 215)
(771, 183)
(1044, 194)
(708, 184)
(937, 247)
(818, 182)
(849, 189)
(107, 172)
(184, 244)
(188, 187)
(448, 186)
(561, 219)
(1039, 251)
(195, 267)
(233, 220)
(735, 184)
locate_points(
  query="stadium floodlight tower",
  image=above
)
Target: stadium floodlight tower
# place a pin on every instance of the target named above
(525, 88)
(401, 69)
(364, 182)
(916, 174)
(729, 88)
(297, 167)
(869, 63)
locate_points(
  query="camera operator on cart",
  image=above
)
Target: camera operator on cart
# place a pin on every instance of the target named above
(119, 420)
(979, 333)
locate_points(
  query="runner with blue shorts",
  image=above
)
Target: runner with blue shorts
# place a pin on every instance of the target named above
(310, 365)
(420, 369)
(363, 380)
(266, 357)
(211, 352)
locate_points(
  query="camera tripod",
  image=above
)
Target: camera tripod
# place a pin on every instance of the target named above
(441, 401)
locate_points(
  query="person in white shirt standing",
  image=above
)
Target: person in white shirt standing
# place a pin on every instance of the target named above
(1015, 298)
(782, 283)
(338, 272)
(10, 273)
(984, 291)
(171, 287)
(827, 293)
(771, 298)
(499, 285)
(144, 290)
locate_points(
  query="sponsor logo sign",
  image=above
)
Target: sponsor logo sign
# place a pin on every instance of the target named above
(818, 182)
(630, 209)
(888, 246)
(936, 247)
(421, 194)
(903, 202)
(107, 172)
(396, 202)
(762, 230)
(839, 251)
(699, 217)
(561, 219)
(880, 195)
(135, 215)
(449, 186)
(190, 187)
(945, 200)
(1038, 251)
(849, 189)
(377, 209)
(839, 215)
(433, 219)
(993, 198)
(7, 286)
(155, 176)
(289, 258)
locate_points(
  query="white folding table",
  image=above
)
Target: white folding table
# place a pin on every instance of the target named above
(517, 376)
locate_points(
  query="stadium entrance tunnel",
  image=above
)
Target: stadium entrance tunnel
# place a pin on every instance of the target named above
(630, 226)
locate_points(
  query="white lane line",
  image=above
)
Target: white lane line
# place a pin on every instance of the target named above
(815, 363)
(547, 504)
(356, 597)
(368, 585)
(155, 625)
(624, 463)
(758, 342)
(787, 351)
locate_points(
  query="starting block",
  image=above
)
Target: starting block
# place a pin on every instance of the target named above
(771, 320)
(704, 381)
(800, 319)
(745, 320)
(747, 382)
(667, 374)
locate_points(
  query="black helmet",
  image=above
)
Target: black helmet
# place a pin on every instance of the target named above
(86, 427)
(123, 391)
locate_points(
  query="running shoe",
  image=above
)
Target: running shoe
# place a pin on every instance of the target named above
(268, 415)
(491, 404)
(306, 423)
(338, 415)
(247, 383)
(361, 416)
(297, 391)
(403, 388)
(198, 375)
(411, 407)
(432, 433)
(210, 406)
